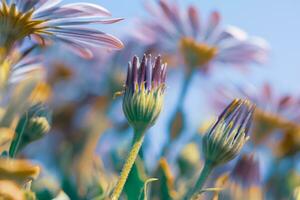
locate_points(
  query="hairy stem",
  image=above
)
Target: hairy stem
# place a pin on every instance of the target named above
(137, 143)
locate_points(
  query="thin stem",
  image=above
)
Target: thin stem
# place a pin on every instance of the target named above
(179, 106)
(183, 92)
(206, 170)
(137, 143)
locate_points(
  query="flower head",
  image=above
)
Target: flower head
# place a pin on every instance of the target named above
(228, 135)
(144, 91)
(48, 20)
(199, 43)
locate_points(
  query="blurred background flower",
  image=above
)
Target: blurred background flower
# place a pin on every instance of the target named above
(89, 131)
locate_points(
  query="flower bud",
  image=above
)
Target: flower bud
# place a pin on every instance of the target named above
(37, 123)
(144, 92)
(228, 135)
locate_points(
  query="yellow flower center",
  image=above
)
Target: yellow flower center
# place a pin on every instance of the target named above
(15, 25)
(196, 54)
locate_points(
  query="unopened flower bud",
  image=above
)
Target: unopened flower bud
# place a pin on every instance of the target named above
(144, 92)
(33, 125)
(229, 134)
(38, 124)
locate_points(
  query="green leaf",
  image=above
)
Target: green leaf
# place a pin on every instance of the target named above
(164, 189)
(143, 193)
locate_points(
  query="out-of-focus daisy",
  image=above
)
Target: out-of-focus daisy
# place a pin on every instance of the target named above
(174, 30)
(274, 112)
(243, 182)
(19, 171)
(48, 20)
(183, 37)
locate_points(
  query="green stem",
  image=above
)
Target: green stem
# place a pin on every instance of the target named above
(137, 143)
(15, 144)
(179, 106)
(208, 167)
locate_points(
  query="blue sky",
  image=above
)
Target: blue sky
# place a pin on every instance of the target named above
(276, 21)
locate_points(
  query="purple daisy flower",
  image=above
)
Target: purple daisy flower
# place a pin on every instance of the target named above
(48, 20)
(200, 43)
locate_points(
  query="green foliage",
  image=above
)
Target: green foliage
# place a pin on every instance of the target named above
(136, 180)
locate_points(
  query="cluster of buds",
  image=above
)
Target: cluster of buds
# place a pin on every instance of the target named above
(228, 135)
(143, 96)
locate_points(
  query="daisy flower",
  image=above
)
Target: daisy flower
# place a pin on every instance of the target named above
(175, 30)
(48, 20)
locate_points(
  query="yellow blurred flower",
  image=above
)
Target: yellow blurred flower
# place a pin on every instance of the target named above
(6, 136)
(296, 194)
(10, 191)
(289, 144)
(19, 171)
(41, 93)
